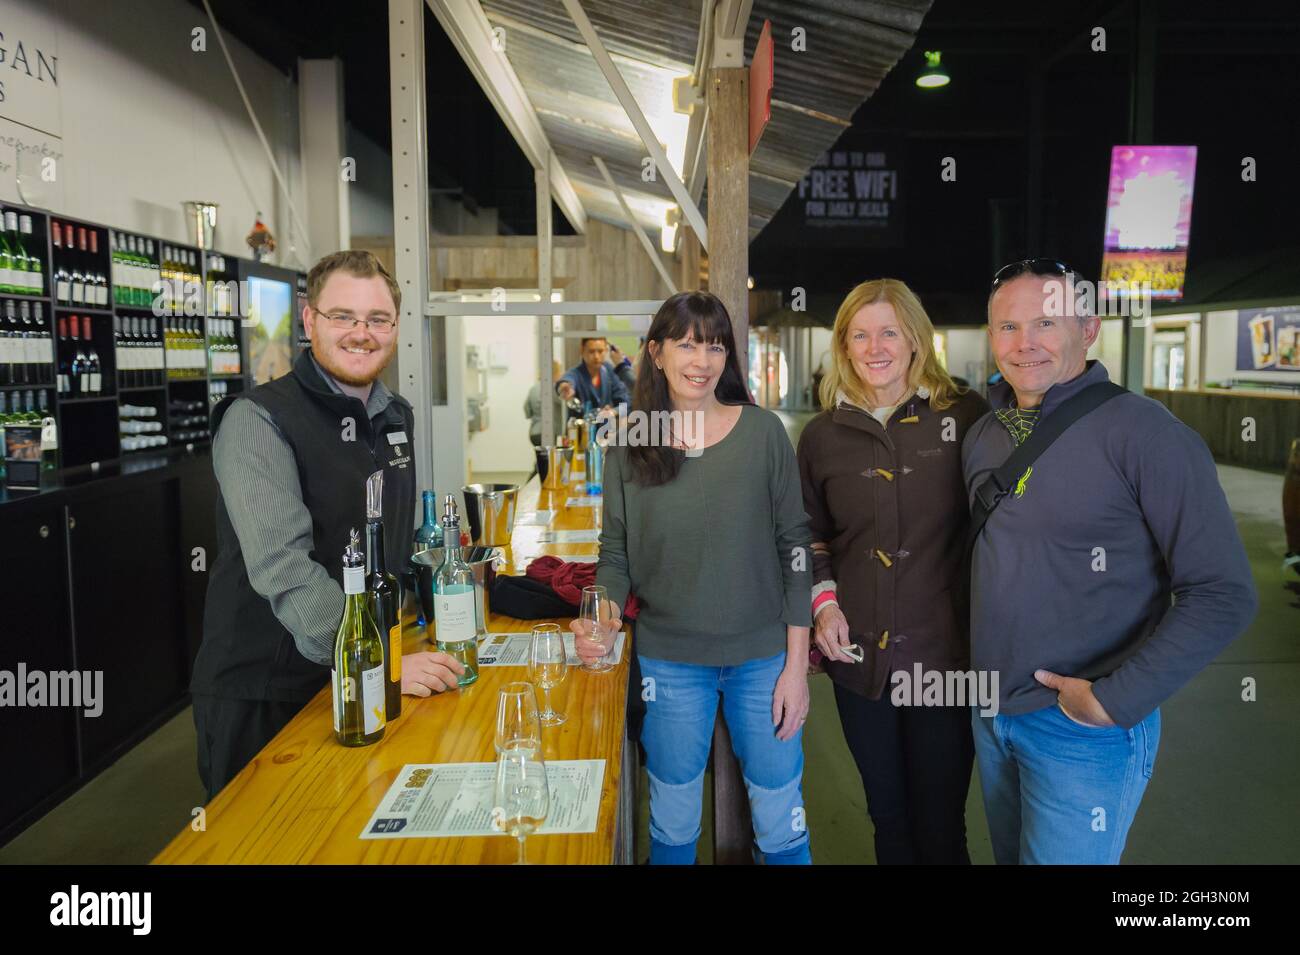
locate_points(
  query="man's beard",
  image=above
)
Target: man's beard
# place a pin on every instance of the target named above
(344, 377)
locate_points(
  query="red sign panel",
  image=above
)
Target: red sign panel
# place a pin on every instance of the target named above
(761, 74)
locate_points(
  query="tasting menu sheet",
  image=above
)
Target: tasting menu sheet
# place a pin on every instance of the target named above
(432, 800)
(511, 649)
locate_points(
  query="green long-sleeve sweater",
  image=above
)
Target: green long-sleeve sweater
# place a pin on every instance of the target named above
(719, 557)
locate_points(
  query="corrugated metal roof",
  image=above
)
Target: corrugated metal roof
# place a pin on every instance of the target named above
(850, 45)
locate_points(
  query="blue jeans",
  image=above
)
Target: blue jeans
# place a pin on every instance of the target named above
(1058, 792)
(681, 703)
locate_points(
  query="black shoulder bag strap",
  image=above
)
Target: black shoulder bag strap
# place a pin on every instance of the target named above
(1000, 482)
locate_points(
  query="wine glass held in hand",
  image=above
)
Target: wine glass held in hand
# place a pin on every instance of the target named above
(547, 667)
(596, 624)
(523, 797)
(518, 728)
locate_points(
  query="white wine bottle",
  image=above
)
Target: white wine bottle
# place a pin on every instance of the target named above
(455, 600)
(358, 674)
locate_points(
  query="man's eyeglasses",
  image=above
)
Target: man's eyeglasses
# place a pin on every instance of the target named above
(379, 326)
(1029, 267)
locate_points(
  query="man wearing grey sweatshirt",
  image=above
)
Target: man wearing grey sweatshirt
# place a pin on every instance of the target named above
(1109, 576)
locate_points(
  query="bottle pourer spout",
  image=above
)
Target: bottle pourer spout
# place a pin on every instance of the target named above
(375, 496)
(353, 556)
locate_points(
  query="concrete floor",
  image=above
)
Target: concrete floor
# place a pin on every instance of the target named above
(1224, 789)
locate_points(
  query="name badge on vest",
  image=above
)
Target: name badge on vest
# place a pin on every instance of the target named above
(396, 439)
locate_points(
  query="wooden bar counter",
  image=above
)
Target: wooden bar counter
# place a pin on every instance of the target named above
(306, 799)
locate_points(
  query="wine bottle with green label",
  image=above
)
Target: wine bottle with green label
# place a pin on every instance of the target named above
(385, 596)
(455, 599)
(358, 674)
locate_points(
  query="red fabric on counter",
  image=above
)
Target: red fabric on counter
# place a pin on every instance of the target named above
(567, 580)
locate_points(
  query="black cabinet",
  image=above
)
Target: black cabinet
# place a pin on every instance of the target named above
(127, 572)
(199, 549)
(38, 745)
(99, 574)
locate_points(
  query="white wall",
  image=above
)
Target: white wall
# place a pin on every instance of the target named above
(504, 446)
(968, 354)
(147, 123)
(1221, 346)
(1109, 348)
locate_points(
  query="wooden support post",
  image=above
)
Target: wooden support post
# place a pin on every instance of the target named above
(545, 338)
(688, 260)
(728, 95)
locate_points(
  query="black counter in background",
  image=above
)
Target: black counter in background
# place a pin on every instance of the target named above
(1221, 418)
(104, 570)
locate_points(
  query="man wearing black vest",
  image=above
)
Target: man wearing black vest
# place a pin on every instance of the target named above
(291, 459)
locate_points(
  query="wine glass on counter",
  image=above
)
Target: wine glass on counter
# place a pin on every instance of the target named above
(547, 667)
(595, 609)
(518, 728)
(523, 796)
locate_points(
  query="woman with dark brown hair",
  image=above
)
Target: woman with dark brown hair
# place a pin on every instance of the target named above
(703, 520)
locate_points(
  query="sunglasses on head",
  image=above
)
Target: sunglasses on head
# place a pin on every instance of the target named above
(1028, 267)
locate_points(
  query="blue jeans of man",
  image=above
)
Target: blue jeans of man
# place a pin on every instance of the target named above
(681, 703)
(1059, 792)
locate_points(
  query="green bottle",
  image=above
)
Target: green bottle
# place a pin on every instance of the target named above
(358, 673)
(7, 257)
(35, 270)
(385, 596)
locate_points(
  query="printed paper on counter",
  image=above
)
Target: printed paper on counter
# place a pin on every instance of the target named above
(538, 518)
(433, 800)
(591, 500)
(587, 536)
(511, 649)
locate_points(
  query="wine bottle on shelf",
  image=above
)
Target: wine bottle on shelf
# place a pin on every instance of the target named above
(119, 353)
(13, 264)
(150, 275)
(455, 599)
(130, 293)
(97, 283)
(34, 352)
(385, 596)
(45, 338)
(49, 435)
(77, 360)
(22, 339)
(116, 267)
(132, 371)
(8, 254)
(16, 353)
(94, 375)
(65, 361)
(7, 349)
(167, 276)
(78, 277)
(144, 351)
(31, 346)
(35, 266)
(357, 676)
(158, 361)
(20, 281)
(140, 293)
(62, 277)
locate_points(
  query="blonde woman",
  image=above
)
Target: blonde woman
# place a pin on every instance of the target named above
(883, 489)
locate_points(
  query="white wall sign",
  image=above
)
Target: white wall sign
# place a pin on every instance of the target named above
(31, 115)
